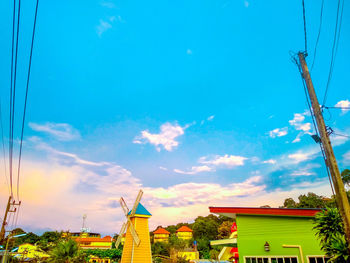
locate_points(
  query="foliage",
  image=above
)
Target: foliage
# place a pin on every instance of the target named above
(113, 254)
(345, 175)
(330, 231)
(205, 227)
(161, 248)
(311, 200)
(30, 238)
(49, 239)
(178, 243)
(224, 230)
(67, 252)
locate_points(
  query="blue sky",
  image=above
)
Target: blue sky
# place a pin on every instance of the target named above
(196, 102)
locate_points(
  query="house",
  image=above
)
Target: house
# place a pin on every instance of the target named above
(94, 242)
(161, 235)
(184, 232)
(274, 235)
(28, 251)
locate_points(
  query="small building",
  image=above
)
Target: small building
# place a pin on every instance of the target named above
(161, 235)
(28, 251)
(96, 259)
(274, 235)
(94, 242)
(184, 232)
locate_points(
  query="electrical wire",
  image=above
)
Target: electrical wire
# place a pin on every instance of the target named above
(26, 96)
(342, 135)
(341, 108)
(3, 149)
(335, 47)
(318, 35)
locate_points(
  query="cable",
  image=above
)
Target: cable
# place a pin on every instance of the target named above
(342, 135)
(334, 48)
(305, 34)
(3, 149)
(26, 96)
(342, 108)
(318, 35)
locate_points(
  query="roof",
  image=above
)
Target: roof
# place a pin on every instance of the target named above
(184, 229)
(94, 239)
(233, 211)
(161, 231)
(141, 210)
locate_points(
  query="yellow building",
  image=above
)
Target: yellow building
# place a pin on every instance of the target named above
(188, 255)
(94, 242)
(161, 235)
(27, 250)
(184, 232)
(142, 252)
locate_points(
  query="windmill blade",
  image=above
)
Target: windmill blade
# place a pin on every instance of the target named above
(133, 232)
(122, 230)
(124, 206)
(137, 201)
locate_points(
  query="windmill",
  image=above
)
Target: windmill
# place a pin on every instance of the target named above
(137, 245)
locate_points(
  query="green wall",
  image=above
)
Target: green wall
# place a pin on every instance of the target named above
(254, 231)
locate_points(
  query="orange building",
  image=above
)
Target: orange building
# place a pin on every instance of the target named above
(95, 242)
(161, 235)
(184, 232)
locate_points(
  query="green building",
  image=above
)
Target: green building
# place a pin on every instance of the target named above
(274, 235)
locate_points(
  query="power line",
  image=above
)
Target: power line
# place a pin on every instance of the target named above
(318, 35)
(338, 22)
(341, 108)
(26, 96)
(3, 148)
(342, 135)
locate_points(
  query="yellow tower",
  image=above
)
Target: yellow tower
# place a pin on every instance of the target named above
(137, 245)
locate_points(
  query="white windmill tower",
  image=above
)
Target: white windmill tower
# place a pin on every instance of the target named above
(137, 245)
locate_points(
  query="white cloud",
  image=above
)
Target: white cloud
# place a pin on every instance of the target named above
(299, 157)
(346, 157)
(344, 104)
(271, 161)
(225, 160)
(210, 118)
(108, 4)
(298, 124)
(61, 131)
(102, 27)
(196, 169)
(163, 168)
(278, 132)
(166, 138)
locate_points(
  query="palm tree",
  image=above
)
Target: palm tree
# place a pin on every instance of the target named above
(67, 252)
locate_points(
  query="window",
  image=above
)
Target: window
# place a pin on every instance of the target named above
(274, 260)
(318, 259)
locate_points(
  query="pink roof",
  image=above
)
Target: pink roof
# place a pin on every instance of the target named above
(232, 211)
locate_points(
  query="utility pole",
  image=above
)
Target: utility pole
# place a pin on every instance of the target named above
(340, 194)
(2, 232)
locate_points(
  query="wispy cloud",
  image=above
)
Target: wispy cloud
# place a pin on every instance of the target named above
(60, 131)
(196, 169)
(108, 4)
(299, 157)
(166, 138)
(346, 157)
(189, 52)
(106, 24)
(344, 104)
(225, 160)
(271, 161)
(278, 132)
(298, 123)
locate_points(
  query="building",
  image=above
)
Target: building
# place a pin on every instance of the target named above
(160, 235)
(274, 235)
(184, 232)
(96, 259)
(74, 235)
(94, 242)
(28, 251)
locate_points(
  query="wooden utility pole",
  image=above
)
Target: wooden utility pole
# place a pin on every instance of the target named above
(2, 232)
(340, 194)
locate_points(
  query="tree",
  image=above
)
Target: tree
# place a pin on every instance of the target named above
(330, 231)
(67, 252)
(311, 200)
(345, 175)
(160, 248)
(289, 203)
(224, 230)
(49, 239)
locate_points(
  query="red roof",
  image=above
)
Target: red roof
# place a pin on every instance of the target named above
(309, 212)
(184, 229)
(161, 231)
